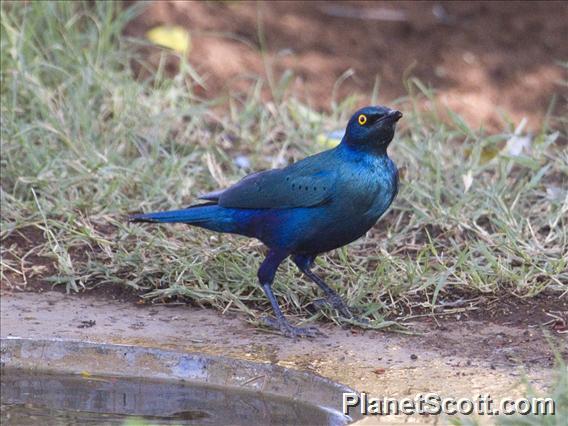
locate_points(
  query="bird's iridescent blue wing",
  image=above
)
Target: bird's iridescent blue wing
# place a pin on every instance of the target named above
(300, 185)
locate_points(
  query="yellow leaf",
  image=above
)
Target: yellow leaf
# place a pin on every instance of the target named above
(330, 140)
(175, 38)
(302, 113)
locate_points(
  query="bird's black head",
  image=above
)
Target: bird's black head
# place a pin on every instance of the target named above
(372, 128)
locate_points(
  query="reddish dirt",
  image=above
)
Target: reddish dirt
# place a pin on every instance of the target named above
(30, 269)
(33, 269)
(488, 60)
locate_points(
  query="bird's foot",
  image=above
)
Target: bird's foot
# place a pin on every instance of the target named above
(344, 311)
(352, 318)
(289, 330)
(357, 320)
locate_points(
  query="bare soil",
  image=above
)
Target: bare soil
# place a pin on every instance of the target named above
(461, 311)
(475, 357)
(487, 60)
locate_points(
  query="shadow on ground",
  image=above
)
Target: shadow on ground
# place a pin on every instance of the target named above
(486, 59)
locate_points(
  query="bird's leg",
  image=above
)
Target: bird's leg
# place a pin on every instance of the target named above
(305, 263)
(266, 274)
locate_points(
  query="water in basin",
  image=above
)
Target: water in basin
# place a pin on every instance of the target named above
(34, 398)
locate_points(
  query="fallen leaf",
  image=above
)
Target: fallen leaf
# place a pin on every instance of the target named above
(553, 193)
(301, 113)
(467, 180)
(331, 139)
(176, 38)
(518, 143)
(242, 162)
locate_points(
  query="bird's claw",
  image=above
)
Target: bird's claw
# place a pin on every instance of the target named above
(344, 311)
(319, 304)
(357, 320)
(289, 330)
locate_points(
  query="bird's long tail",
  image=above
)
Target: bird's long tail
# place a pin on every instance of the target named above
(208, 215)
(191, 214)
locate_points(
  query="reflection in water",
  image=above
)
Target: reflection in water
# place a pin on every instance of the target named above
(72, 400)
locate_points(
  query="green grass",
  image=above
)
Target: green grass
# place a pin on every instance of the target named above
(84, 142)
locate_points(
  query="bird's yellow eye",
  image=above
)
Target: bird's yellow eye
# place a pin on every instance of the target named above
(362, 119)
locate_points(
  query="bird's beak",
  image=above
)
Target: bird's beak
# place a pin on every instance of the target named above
(395, 115)
(391, 117)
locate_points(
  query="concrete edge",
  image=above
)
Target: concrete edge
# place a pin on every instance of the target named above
(100, 359)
